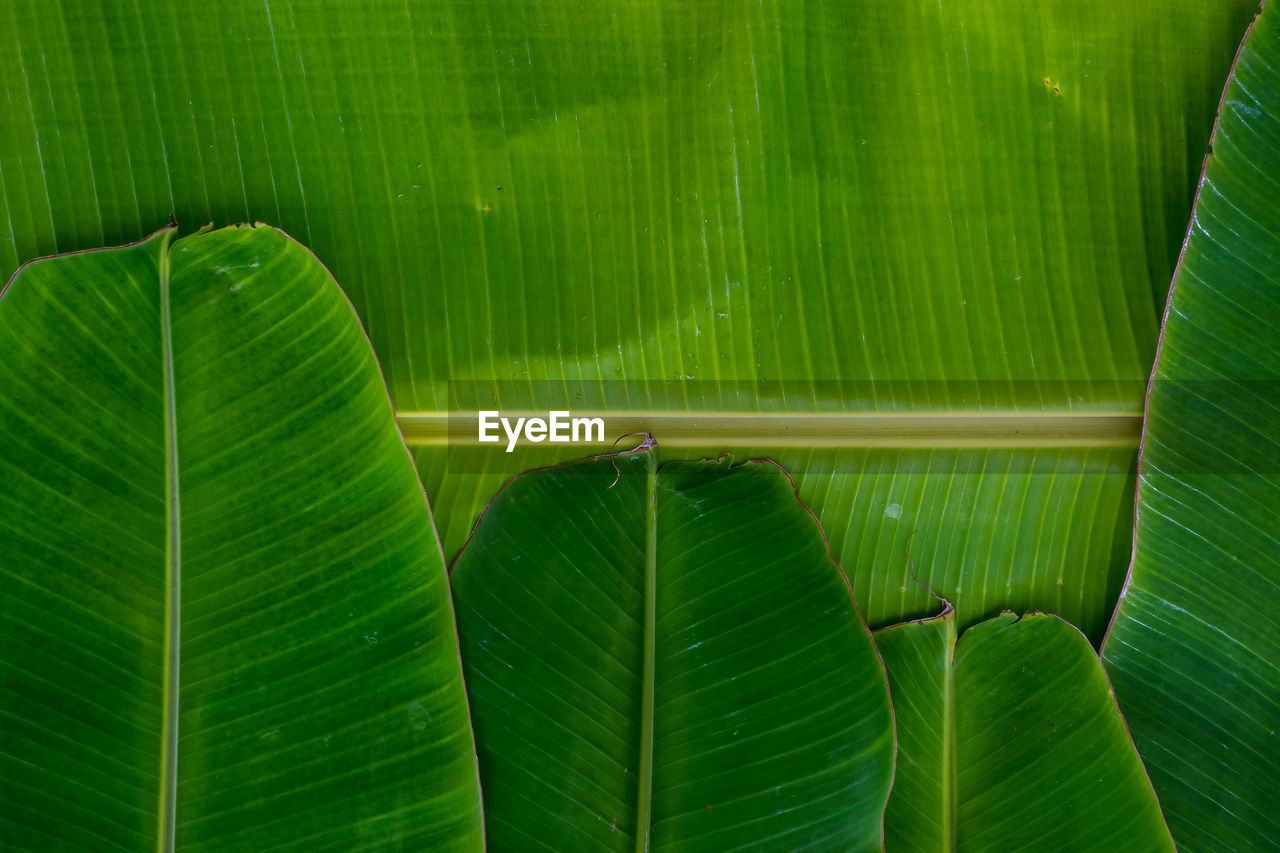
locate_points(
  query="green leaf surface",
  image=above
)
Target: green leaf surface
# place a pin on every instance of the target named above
(1011, 740)
(1023, 525)
(668, 661)
(223, 608)
(1195, 644)
(860, 203)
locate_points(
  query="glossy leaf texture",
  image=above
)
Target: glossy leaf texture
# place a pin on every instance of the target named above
(668, 661)
(223, 607)
(731, 206)
(1195, 645)
(1011, 740)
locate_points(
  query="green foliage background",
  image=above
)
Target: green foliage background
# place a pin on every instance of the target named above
(949, 209)
(824, 195)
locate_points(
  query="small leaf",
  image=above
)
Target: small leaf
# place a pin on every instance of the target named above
(671, 663)
(1011, 740)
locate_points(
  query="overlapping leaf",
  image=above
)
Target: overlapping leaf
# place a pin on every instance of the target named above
(223, 606)
(1195, 645)
(667, 658)
(953, 208)
(1011, 740)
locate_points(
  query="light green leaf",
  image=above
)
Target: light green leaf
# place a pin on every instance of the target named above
(1043, 523)
(1195, 645)
(866, 205)
(1011, 740)
(223, 607)
(668, 661)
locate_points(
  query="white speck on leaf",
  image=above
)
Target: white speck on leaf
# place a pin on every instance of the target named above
(418, 716)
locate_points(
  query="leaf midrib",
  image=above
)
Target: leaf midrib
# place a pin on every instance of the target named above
(809, 429)
(173, 573)
(949, 737)
(644, 805)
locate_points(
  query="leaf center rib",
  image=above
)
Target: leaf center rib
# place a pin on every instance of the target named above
(949, 740)
(644, 807)
(173, 575)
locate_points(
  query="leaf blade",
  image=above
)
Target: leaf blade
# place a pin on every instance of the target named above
(315, 651)
(1031, 753)
(547, 605)
(798, 206)
(1193, 641)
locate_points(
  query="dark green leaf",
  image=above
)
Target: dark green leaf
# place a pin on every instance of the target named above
(223, 607)
(673, 662)
(1195, 645)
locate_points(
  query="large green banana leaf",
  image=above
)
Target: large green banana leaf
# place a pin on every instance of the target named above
(224, 614)
(1011, 740)
(955, 209)
(668, 659)
(1195, 645)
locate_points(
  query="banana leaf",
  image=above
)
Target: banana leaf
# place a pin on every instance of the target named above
(1194, 647)
(223, 607)
(1010, 739)
(953, 210)
(666, 658)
